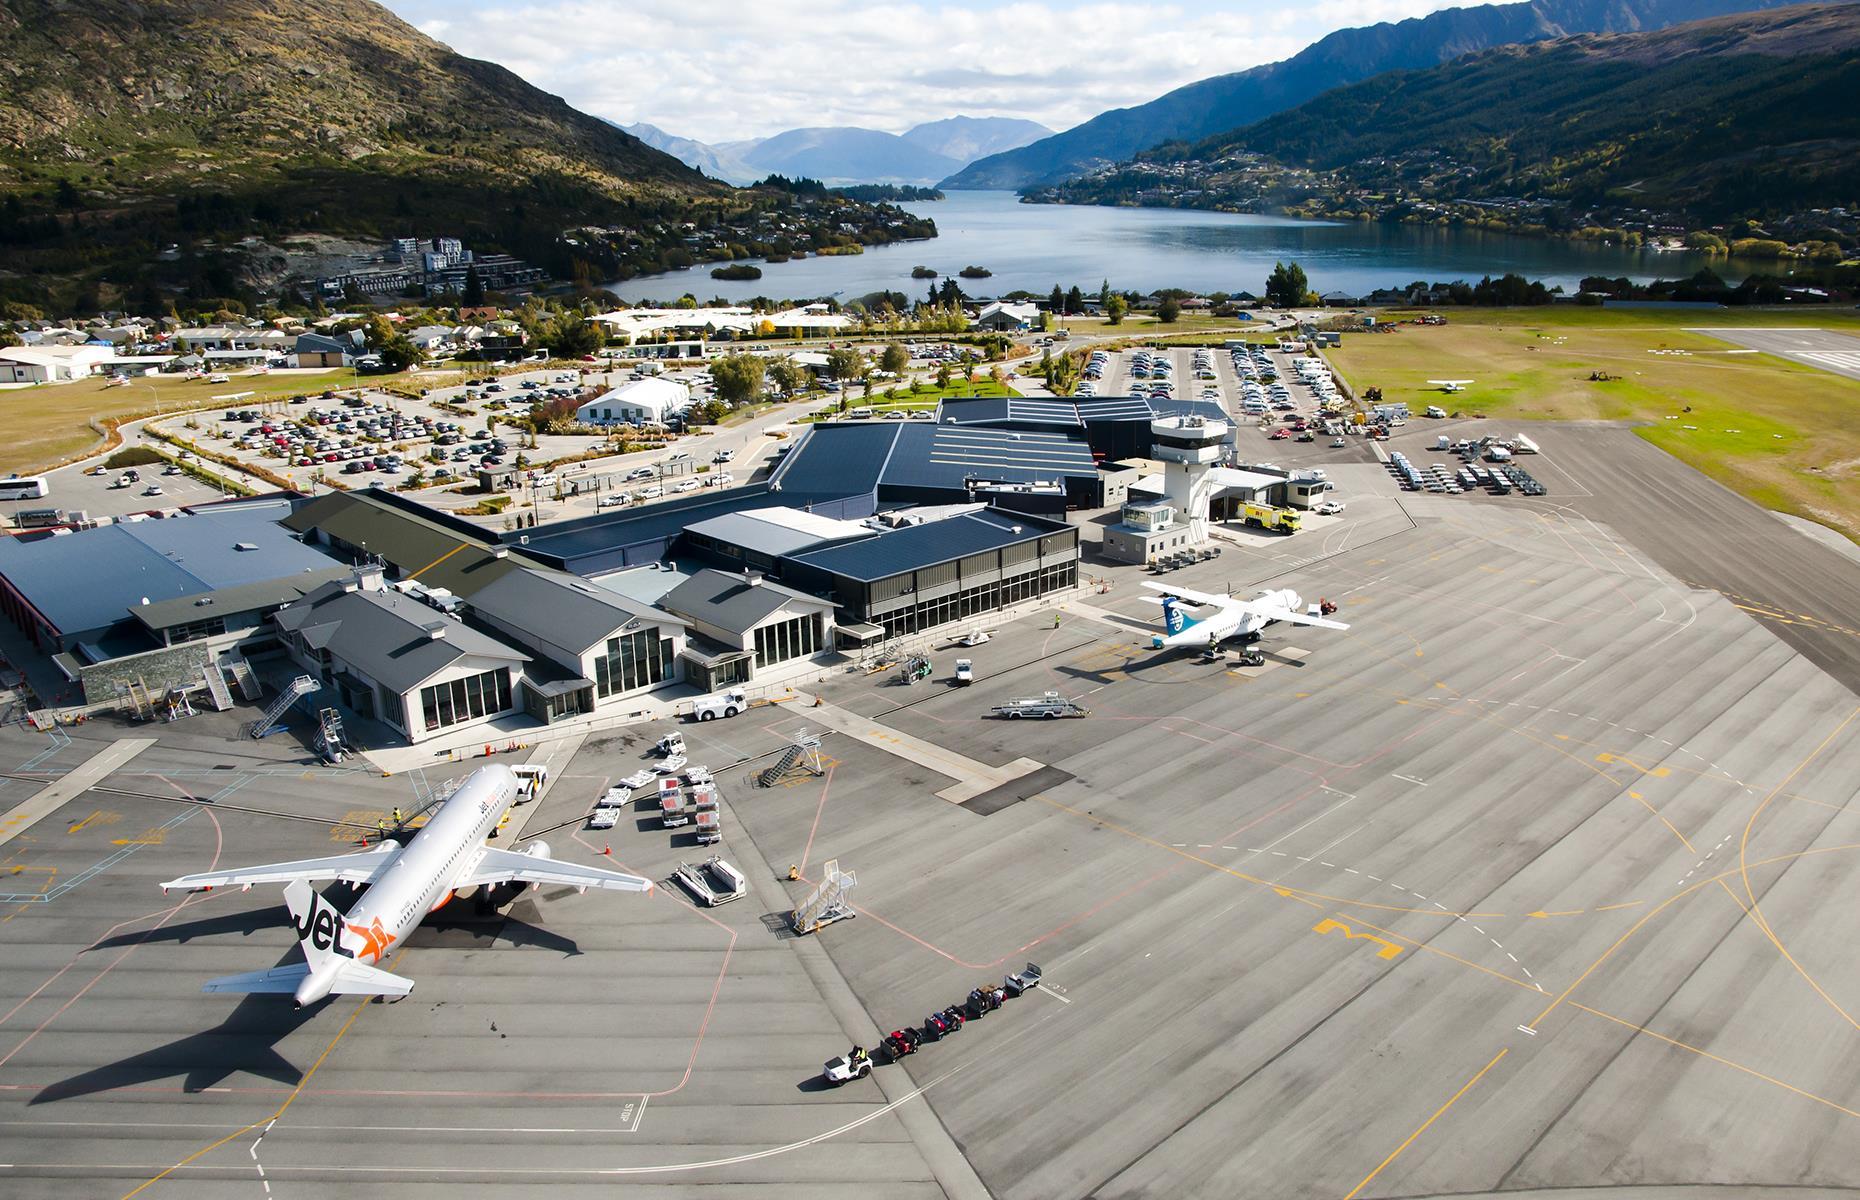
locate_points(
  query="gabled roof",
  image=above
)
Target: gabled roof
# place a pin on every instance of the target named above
(564, 609)
(387, 635)
(727, 601)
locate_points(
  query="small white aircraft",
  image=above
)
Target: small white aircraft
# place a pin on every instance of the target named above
(975, 637)
(444, 858)
(1232, 617)
(1452, 385)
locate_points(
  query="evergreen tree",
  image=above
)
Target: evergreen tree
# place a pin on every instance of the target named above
(473, 295)
(1075, 301)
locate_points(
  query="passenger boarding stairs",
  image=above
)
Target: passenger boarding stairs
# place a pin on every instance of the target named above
(329, 736)
(802, 754)
(827, 903)
(273, 719)
(245, 679)
(216, 687)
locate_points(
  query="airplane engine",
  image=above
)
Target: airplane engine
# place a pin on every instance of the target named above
(496, 896)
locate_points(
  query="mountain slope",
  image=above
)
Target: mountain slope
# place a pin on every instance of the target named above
(1225, 102)
(1736, 116)
(966, 139)
(715, 161)
(847, 154)
(337, 116)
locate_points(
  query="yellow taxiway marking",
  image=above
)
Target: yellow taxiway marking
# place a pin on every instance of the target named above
(1653, 772)
(87, 820)
(1438, 1113)
(1387, 949)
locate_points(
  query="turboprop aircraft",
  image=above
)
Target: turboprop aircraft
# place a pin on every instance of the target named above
(445, 857)
(1451, 385)
(1232, 617)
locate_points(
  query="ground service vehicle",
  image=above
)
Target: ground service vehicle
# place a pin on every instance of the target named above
(1265, 516)
(713, 881)
(900, 1042)
(854, 1064)
(721, 704)
(1047, 706)
(965, 673)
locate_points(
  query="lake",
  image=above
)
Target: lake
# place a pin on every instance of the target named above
(1034, 246)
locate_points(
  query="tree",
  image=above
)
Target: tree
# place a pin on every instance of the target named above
(895, 358)
(1075, 301)
(570, 336)
(1104, 293)
(789, 376)
(739, 377)
(1287, 286)
(1056, 303)
(1169, 310)
(1115, 308)
(473, 295)
(844, 363)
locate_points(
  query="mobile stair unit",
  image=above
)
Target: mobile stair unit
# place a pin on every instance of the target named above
(827, 903)
(273, 719)
(802, 754)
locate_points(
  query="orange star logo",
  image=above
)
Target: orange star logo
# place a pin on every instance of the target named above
(375, 941)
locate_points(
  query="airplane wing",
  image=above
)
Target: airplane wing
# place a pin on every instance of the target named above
(509, 866)
(1191, 596)
(365, 867)
(1286, 614)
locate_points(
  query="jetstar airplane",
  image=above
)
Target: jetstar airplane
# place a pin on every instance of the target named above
(1451, 385)
(446, 857)
(1232, 617)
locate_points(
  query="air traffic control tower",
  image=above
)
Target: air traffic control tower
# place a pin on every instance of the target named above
(1188, 447)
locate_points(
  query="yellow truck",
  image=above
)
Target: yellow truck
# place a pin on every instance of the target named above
(1266, 516)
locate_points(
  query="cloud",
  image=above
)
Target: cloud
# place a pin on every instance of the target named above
(751, 70)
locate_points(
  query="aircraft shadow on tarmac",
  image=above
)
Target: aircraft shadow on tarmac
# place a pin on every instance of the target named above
(246, 1041)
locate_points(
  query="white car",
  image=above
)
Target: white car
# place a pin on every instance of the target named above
(615, 500)
(651, 493)
(1329, 508)
(688, 485)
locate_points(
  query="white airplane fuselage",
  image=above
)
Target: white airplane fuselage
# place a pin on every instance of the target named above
(420, 880)
(1224, 623)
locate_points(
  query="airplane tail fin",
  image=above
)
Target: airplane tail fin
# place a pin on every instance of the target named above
(318, 924)
(1173, 618)
(319, 929)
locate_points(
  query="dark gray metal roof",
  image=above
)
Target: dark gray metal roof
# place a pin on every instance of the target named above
(92, 578)
(419, 548)
(385, 634)
(836, 459)
(563, 609)
(243, 598)
(727, 601)
(943, 456)
(775, 531)
(917, 546)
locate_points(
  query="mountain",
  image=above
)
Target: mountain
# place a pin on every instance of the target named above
(1225, 102)
(718, 162)
(966, 139)
(339, 103)
(850, 154)
(1731, 117)
(847, 154)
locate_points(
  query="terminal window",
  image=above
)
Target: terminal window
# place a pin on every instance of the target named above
(475, 696)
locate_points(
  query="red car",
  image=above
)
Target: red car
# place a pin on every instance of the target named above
(1279, 435)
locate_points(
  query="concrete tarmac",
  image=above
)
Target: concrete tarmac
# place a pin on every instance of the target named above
(1538, 879)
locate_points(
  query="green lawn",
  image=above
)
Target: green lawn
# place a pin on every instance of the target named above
(1784, 434)
(48, 424)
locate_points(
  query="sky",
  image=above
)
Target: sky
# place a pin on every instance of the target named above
(750, 68)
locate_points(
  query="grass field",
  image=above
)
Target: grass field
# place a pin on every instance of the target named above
(46, 425)
(1783, 434)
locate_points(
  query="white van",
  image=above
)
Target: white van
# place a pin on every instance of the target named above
(859, 414)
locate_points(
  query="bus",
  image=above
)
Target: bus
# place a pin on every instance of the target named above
(18, 488)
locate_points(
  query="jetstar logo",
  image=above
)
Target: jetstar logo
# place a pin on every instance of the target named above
(375, 939)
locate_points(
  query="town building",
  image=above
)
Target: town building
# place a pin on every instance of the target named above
(638, 402)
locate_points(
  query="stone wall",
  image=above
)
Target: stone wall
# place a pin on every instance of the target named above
(158, 670)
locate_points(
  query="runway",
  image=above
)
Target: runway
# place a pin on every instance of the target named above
(1838, 353)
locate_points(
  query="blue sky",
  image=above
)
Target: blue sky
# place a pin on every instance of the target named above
(717, 72)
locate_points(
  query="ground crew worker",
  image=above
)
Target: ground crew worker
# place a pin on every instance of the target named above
(381, 829)
(1055, 620)
(794, 872)
(397, 816)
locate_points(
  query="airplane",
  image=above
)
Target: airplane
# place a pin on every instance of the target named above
(975, 637)
(1451, 385)
(1233, 618)
(446, 857)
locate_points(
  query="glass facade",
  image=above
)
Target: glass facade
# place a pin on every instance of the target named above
(787, 639)
(632, 660)
(193, 631)
(928, 614)
(447, 704)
